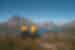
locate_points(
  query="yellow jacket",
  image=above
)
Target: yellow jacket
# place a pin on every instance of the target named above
(24, 28)
(33, 28)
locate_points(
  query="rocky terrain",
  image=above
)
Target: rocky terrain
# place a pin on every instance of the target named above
(57, 38)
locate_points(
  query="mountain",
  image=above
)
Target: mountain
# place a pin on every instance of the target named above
(49, 25)
(3, 27)
(12, 23)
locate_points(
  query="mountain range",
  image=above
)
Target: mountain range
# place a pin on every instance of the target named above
(16, 21)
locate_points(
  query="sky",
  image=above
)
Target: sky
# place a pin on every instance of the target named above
(38, 10)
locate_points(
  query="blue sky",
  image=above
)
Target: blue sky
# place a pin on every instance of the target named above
(38, 10)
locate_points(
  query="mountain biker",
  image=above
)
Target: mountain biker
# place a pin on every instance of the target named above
(25, 31)
(34, 31)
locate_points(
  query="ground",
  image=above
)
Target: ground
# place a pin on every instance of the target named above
(19, 44)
